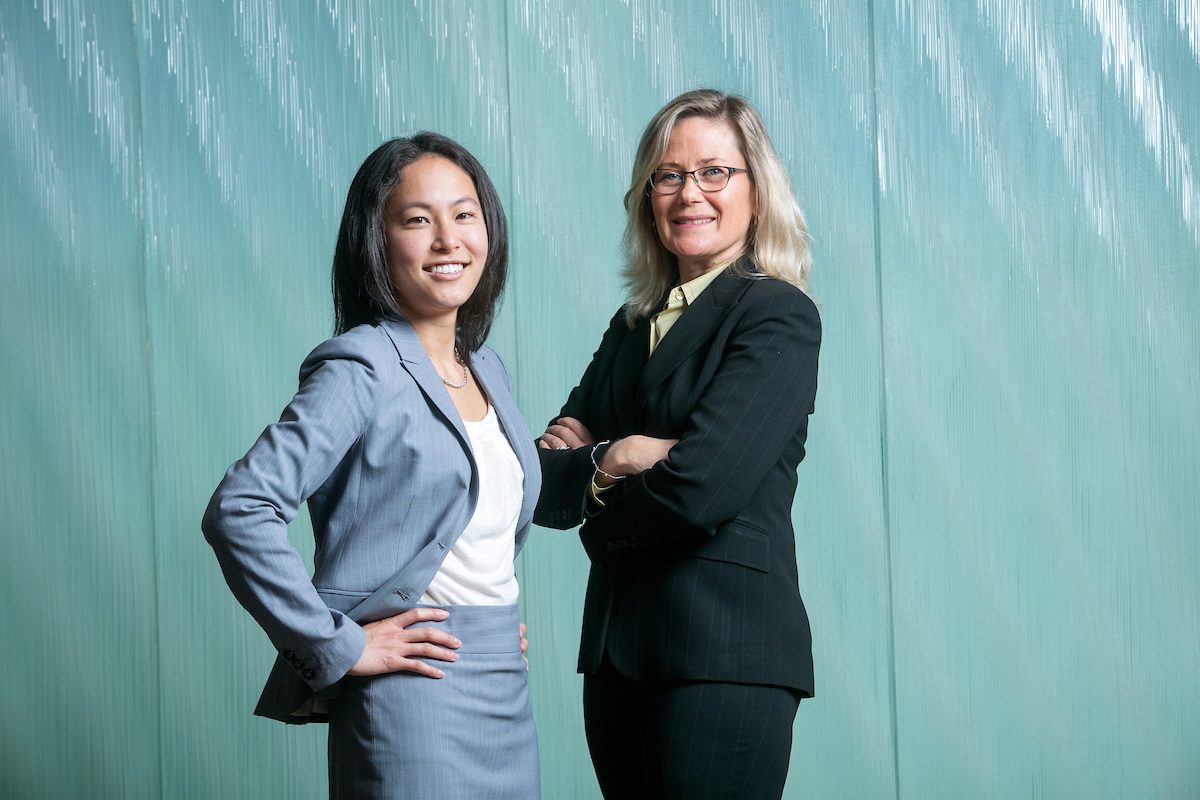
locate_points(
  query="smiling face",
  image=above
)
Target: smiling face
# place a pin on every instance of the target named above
(437, 242)
(704, 229)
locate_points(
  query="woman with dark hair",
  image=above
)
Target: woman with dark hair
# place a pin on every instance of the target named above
(696, 647)
(420, 478)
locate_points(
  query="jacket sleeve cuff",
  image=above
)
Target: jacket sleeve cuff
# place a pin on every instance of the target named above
(565, 478)
(321, 669)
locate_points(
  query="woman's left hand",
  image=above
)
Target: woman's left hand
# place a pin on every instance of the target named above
(524, 644)
(632, 455)
(566, 433)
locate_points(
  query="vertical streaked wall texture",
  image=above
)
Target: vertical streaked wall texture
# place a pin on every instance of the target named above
(997, 524)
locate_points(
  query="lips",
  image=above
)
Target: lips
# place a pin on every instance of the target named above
(690, 222)
(446, 269)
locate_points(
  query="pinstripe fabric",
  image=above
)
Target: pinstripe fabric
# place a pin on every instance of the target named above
(374, 444)
(467, 736)
(691, 740)
(693, 562)
(693, 570)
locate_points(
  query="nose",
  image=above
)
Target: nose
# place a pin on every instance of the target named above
(690, 191)
(446, 239)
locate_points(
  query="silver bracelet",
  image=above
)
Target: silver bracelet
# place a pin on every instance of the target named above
(596, 466)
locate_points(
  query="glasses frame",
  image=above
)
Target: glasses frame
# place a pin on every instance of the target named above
(651, 186)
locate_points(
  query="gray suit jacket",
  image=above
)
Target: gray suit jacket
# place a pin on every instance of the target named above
(375, 445)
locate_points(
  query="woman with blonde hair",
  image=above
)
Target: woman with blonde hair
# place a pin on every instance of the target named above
(678, 452)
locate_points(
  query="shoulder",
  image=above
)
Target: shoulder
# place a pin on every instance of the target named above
(487, 360)
(364, 348)
(619, 325)
(768, 298)
(620, 320)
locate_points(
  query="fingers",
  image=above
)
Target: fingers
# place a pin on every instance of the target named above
(565, 435)
(390, 654)
(431, 636)
(524, 642)
(405, 656)
(549, 441)
(578, 430)
(635, 453)
(396, 644)
(418, 615)
(428, 650)
(419, 667)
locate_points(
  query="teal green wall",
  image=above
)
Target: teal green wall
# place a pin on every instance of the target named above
(996, 525)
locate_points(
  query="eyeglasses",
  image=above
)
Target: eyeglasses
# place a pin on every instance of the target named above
(709, 179)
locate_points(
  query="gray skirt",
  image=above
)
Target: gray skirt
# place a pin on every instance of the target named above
(469, 735)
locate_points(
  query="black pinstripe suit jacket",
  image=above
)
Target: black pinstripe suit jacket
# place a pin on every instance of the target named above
(693, 562)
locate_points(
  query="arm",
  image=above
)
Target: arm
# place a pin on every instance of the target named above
(246, 523)
(566, 473)
(755, 404)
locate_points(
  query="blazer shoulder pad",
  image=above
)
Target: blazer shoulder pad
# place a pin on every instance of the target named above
(367, 344)
(487, 358)
(773, 296)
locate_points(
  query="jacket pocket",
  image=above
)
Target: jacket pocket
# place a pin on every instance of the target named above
(340, 600)
(737, 542)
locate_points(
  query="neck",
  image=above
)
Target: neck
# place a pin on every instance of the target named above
(688, 272)
(436, 336)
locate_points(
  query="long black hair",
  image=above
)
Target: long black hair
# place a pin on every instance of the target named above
(362, 281)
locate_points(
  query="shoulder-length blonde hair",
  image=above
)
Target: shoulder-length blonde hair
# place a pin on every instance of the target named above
(777, 245)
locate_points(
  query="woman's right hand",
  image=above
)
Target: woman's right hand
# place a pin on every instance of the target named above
(633, 455)
(394, 646)
(566, 433)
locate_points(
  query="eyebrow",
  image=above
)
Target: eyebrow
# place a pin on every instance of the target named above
(425, 206)
(702, 161)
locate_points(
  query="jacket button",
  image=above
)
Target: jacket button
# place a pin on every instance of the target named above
(308, 674)
(612, 545)
(289, 654)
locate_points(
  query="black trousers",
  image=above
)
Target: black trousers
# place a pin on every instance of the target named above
(691, 740)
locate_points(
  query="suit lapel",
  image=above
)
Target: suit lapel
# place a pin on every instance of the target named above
(487, 372)
(691, 331)
(627, 369)
(414, 359)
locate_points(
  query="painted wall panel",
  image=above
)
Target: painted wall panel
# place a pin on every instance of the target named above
(257, 116)
(995, 523)
(79, 701)
(1038, 245)
(578, 119)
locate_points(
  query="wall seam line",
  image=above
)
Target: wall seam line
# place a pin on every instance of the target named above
(151, 398)
(515, 357)
(876, 202)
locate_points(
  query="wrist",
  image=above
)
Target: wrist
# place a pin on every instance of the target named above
(602, 480)
(607, 467)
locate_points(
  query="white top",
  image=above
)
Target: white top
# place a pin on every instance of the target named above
(478, 570)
